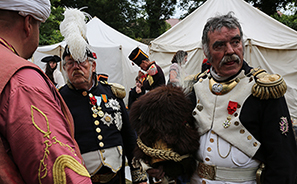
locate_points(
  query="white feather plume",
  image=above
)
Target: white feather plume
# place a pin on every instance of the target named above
(74, 30)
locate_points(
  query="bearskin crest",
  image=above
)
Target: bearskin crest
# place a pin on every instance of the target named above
(167, 136)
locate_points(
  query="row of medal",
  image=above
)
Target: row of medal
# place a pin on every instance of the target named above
(105, 117)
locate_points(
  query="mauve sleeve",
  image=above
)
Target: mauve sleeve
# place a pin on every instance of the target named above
(38, 135)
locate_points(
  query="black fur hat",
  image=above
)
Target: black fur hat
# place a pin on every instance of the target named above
(162, 119)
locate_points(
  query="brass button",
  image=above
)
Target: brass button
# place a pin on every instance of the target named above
(238, 105)
(95, 115)
(242, 131)
(235, 114)
(209, 149)
(207, 159)
(103, 151)
(101, 144)
(84, 93)
(98, 130)
(255, 144)
(212, 132)
(100, 137)
(236, 123)
(96, 122)
(211, 140)
(249, 137)
(194, 113)
(203, 182)
(199, 107)
(103, 158)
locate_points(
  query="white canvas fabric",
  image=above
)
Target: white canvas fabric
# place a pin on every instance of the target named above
(268, 43)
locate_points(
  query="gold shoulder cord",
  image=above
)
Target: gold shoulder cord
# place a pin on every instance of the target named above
(268, 86)
(61, 163)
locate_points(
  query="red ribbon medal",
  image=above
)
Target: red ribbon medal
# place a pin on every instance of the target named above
(232, 107)
(93, 100)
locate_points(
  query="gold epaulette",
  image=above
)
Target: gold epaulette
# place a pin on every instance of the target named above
(192, 79)
(200, 75)
(268, 86)
(117, 89)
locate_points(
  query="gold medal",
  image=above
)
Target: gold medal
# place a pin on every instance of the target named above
(107, 118)
(101, 113)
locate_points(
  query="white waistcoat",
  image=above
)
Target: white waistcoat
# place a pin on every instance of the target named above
(211, 112)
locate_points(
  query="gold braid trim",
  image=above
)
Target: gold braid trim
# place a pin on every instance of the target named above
(268, 86)
(63, 161)
(162, 154)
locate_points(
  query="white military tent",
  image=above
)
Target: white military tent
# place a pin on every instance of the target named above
(112, 49)
(268, 43)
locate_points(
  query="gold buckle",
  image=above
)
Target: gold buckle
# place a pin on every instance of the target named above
(206, 171)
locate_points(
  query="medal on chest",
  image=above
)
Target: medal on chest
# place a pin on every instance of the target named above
(232, 107)
(95, 101)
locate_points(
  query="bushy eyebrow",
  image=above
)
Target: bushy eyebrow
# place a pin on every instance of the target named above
(236, 37)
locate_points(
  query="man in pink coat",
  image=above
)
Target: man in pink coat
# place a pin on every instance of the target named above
(36, 127)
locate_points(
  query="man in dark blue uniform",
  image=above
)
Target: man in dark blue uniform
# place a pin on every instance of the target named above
(102, 128)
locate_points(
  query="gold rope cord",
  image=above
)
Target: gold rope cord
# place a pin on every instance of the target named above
(158, 153)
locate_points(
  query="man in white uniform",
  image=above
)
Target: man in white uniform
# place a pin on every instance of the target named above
(241, 114)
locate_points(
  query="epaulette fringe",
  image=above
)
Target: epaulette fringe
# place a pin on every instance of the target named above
(268, 86)
(117, 89)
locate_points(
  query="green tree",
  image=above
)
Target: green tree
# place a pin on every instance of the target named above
(119, 14)
(49, 31)
(289, 20)
(157, 12)
(271, 6)
(267, 6)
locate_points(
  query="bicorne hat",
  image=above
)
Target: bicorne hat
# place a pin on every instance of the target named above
(53, 58)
